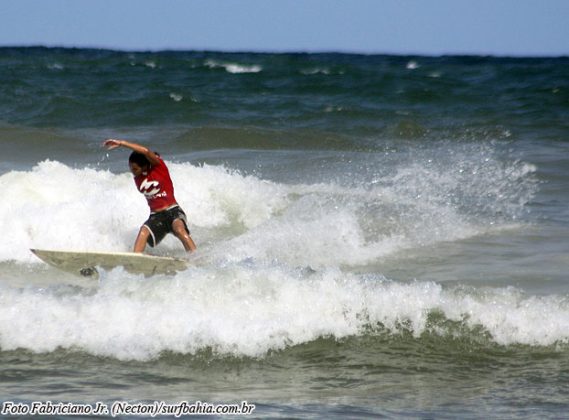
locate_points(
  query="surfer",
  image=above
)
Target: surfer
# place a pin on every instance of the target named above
(152, 179)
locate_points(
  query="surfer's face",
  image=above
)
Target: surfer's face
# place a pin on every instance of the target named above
(135, 169)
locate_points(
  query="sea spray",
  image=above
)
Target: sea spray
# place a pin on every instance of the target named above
(350, 220)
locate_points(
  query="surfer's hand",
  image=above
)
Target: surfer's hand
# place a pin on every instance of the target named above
(111, 144)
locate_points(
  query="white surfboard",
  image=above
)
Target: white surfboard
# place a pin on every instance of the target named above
(86, 263)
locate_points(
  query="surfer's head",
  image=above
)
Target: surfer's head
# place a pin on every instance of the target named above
(138, 163)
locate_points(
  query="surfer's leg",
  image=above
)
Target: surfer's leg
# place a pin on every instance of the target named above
(141, 239)
(181, 231)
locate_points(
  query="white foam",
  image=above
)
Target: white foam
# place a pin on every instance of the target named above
(240, 216)
(176, 97)
(316, 70)
(55, 206)
(246, 296)
(237, 68)
(234, 67)
(412, 65)
(56, 66)
(240, 310)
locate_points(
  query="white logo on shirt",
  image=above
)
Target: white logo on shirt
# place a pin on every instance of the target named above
(149, 188)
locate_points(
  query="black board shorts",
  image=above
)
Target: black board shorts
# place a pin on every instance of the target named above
(160, 224)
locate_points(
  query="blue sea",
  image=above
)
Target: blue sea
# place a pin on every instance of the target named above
(378, 235)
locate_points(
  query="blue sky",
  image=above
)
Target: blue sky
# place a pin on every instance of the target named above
(431, 27)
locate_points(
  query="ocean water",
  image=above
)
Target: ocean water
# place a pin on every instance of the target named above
(378, 236)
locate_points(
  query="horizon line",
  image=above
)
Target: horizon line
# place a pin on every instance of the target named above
(281, 51)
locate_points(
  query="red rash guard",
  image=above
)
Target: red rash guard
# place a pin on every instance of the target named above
(157, 187)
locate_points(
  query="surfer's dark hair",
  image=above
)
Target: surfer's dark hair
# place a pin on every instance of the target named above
(139, 159)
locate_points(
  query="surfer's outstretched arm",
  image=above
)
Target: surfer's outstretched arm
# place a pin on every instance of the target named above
(150, 155)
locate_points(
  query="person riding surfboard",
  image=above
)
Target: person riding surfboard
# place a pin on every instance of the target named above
(152, 179)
